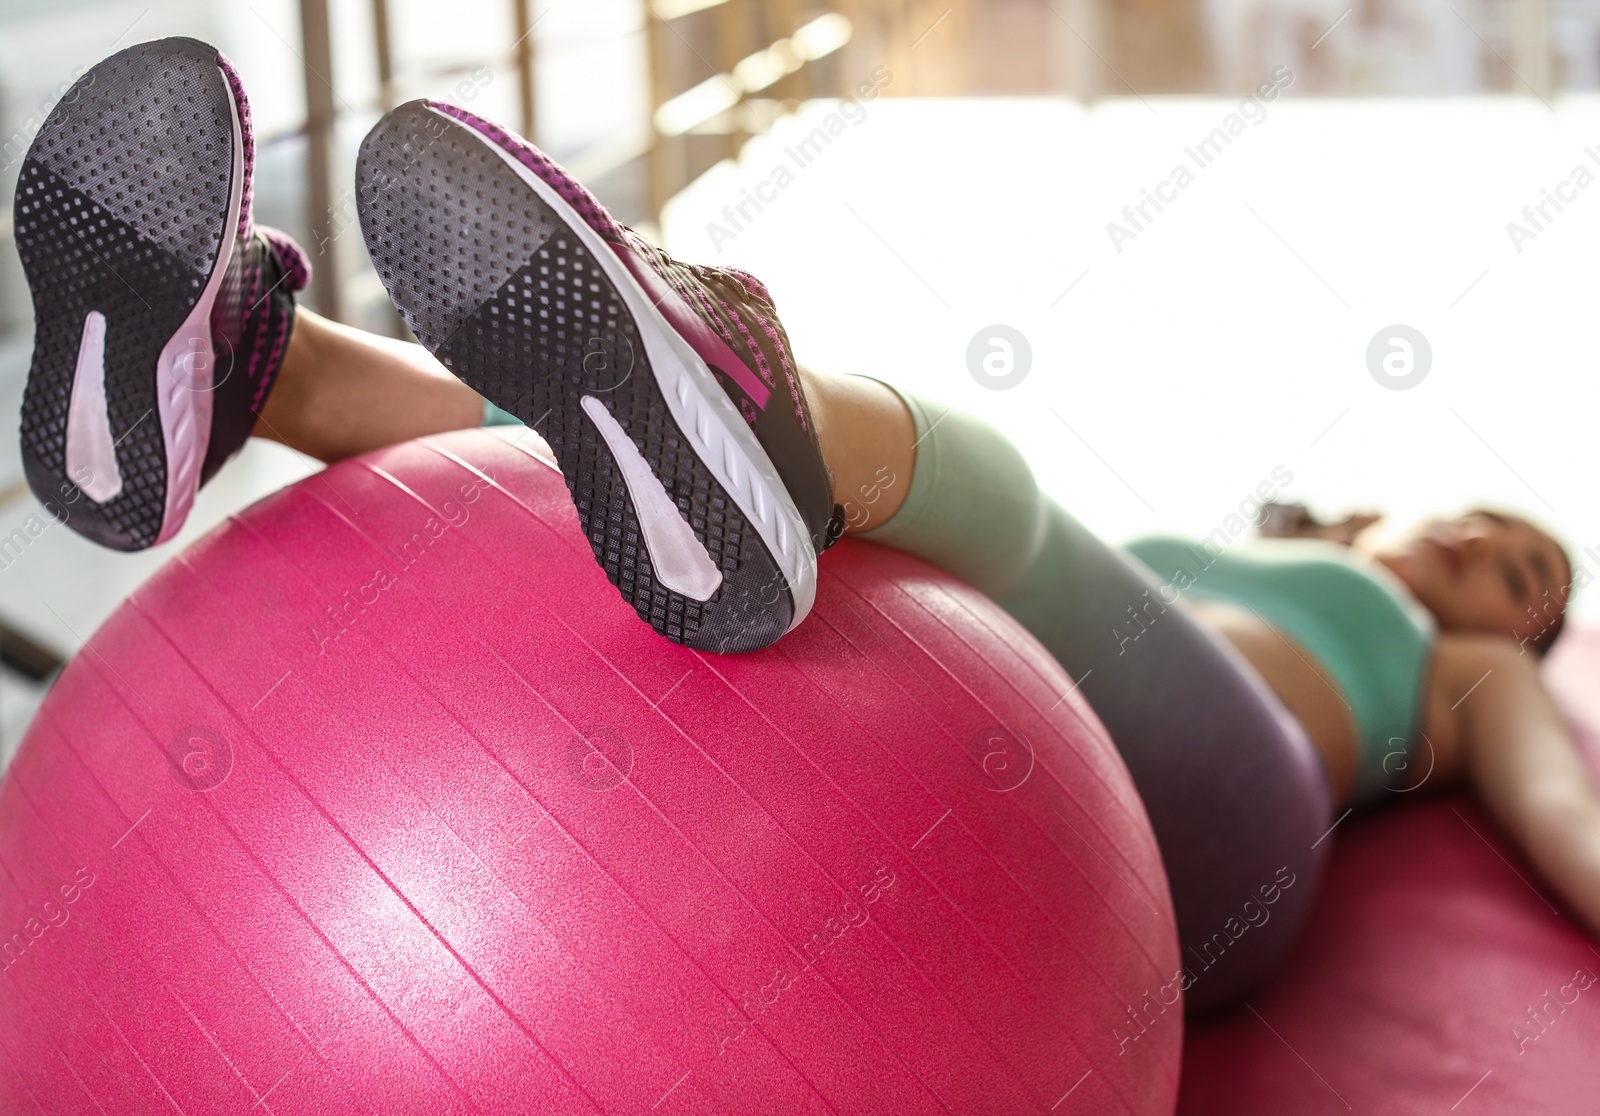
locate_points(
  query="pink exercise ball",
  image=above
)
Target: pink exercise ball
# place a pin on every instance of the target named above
(379, 799)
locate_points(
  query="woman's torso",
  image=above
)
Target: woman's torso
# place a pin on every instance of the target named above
(1337, 639)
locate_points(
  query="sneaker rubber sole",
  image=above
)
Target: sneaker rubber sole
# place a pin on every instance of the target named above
(125, 210)
(517, 295)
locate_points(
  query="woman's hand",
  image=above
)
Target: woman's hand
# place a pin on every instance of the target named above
(1295, 521)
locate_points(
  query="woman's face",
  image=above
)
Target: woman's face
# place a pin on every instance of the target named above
(1483, 572)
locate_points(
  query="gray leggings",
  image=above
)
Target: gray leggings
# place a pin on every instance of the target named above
(1236, 794)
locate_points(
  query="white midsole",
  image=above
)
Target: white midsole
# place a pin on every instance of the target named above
(185, 372)
(702, 410)
(91, 447)
(677, 559)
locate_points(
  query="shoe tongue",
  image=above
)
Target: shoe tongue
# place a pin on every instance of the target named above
(291, 257)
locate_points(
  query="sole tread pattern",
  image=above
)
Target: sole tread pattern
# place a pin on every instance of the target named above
(510, 300)
(121, 208)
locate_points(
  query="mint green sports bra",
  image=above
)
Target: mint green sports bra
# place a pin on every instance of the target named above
(1354, 617)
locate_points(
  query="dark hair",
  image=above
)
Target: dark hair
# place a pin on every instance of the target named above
(1547, 637)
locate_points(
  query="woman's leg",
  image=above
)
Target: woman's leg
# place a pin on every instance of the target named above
(869, 443)
(1233, 788)
(342, 392)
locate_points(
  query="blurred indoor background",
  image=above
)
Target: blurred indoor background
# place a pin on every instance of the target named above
(991, 151)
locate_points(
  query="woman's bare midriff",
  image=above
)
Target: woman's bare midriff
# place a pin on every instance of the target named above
(1302, 685)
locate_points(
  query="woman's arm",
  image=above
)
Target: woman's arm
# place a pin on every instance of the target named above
(1515, 747)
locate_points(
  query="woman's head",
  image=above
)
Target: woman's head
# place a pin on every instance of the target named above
(1486, 571)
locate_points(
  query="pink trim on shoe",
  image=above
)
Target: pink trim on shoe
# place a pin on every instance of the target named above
(549, 171)
(788, 368)
(693, 328)
(247, 130)
(696, 294)
(274, 362)
(744, 331)
(751, 284)
(296, 274)
(291, 256)
(713, 349)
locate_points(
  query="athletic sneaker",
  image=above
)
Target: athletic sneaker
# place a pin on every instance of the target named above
(667, 391)
(161, 312)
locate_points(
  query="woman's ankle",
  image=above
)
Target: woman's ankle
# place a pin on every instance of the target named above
(868, 440)
(342, 392)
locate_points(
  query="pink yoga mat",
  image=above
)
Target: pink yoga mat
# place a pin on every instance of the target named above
(1439, 974)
